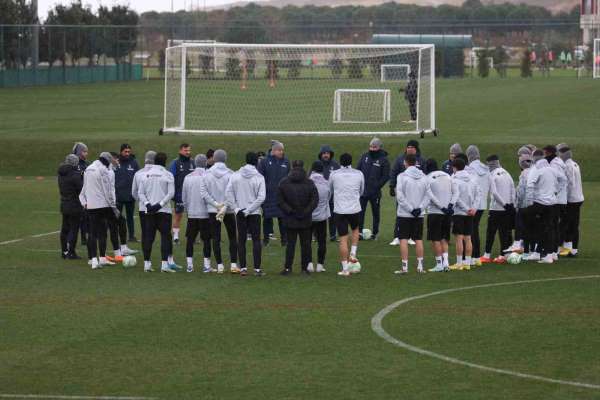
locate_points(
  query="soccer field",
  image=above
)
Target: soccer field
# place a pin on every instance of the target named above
(66, 330)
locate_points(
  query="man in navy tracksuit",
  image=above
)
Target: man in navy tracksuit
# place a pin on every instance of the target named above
(124, 173)
(274, 167)
(326, 155)
(180, 168)
(376, 169)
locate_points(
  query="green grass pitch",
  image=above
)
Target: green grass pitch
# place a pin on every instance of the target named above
(66, 330)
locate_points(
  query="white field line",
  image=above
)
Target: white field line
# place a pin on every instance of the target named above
(376, 325)
(10, 241)
(64, 397)
(45, 234)
(28, 237)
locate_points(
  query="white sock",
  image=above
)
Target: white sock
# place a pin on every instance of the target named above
(147, 264)
(487, 255)
(234, 265)
(164, 264)
(175, 233)
(468, 260)
(206, 262)
(404, 265)
(568, 245)
(419, 262)
(170, 260)
(439, 261)
(95, 261)
(345, 265)
(117, 253)
(353, 250)
(459, 260)
(124, 248)
(221, 266)
(190, 261)
(445, 259)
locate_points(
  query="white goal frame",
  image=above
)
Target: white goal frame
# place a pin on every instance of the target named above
(425, 97)
(596, 60)
(337, 106)
(385, 66)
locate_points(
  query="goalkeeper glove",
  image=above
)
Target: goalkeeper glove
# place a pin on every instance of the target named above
(416, 212)
(152, 208)
(392, 191)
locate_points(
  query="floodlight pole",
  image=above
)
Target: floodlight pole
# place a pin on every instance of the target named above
(35, 42)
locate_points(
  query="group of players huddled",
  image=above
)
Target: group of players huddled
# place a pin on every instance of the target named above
(542, 210)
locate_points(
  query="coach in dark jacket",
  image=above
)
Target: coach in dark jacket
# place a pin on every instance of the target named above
(69, 186)
(274, 167)
(124, 173)
(376, 169)
(412, 147)
(297, 198)
(326, 156)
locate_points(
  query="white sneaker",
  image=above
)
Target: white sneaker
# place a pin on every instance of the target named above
(310, 267)
(411, 242)
(149, 269)
(547, 260)
(208, 269)
(104, 261)
(421, 270)
(190, 268)
(438, 268)
(402, 271)
(129, 252)
(395, 242)
(95, 264)
(533, 257)
(220, 269)
(167, 269)
(320, 268)
(344, 273)
(554, 256)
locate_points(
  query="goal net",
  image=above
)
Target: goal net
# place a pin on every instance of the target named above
(224, 88)
(395, 73)
(596, 60)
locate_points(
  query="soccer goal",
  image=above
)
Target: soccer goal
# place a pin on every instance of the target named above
(596, 60)
(224, 88)
(395, 72)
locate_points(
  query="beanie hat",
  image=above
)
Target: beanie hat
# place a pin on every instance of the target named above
(72, 160)
(472, 153)
(525, 161)
(565, 153)
(317, 166)
(276, 145)
(376, 142)
(413, 143)
(220, 155)
(200, 161)
(79, 148)
(149, 157)
(493, 162)
(346, 160)
(297, 164)
(105, 158)
(456, 149)
(523, 150)
(251, 158)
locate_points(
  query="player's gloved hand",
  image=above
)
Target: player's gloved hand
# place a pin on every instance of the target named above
(392, 191)
(416, 212)
(241, 210)
(509, 207)
(445, 211)
(450, 209)
(153, 208)
(115, 211)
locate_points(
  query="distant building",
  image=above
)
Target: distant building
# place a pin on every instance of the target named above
(590, 20)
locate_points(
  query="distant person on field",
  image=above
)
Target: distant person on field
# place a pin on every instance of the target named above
(327, 158)
(70, 185)
(124, 173)
(81, 151)
(180, 167)
(481, 174)
(574, 202)
(137, 179)
(447, 165)
(411, 94)
(320, 216)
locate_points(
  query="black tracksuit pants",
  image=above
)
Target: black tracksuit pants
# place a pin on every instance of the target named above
(249, 225)
(215, 233)
(305, 247)
(498, 222)
(98, 223)
(331, 222)
(475, 240)
(319, 231)
(160, 222)
(375, 209)
(268, 228)
(572, 216)
(129, 211)
(545, 227)
(117, 230)
(194, 227)
(69, 231)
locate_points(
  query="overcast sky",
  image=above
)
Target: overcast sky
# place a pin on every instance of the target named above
(138, 5)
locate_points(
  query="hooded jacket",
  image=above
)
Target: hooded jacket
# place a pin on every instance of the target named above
(411, 192)
(137, 179)
(502, 189)
(521, 192)
(469, 193)
(442, 190)
(376, 170)
(297, 197)
(398, 167)
(191, 194)
(274, 170)
(124, 174)
(481, 173)
(542, 184)
(179, 168)
(328, 166)
(246, 190)
(574, 186)
(69, 186)
(347, 186)
(157, 187)
(214, 186)
(558, 166)
(98, 187)
(322, 212)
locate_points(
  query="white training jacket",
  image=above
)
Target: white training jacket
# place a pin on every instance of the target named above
(322, 212)
(246, 190)
(443, 190)
(158, 187)
(521, 194)
(138, 177)
(558, 166)
(214, 186)
(411, 192)
(469, 193)
(481, 173)
(542, 184)
(98, 190)
(191, 194)
(574, 186)
(347, 185)
(502, 189)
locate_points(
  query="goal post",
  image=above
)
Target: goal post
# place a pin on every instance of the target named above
(287, 89)
(395, 72)
(596, 60)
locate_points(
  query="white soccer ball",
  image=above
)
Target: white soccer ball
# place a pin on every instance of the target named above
(129, 261)
(354, 267)
(366, 234)
(514, 258)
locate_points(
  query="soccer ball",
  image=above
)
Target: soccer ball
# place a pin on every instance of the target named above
(366, 234)
(129, 261)
(514, 258)
(354, 267)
